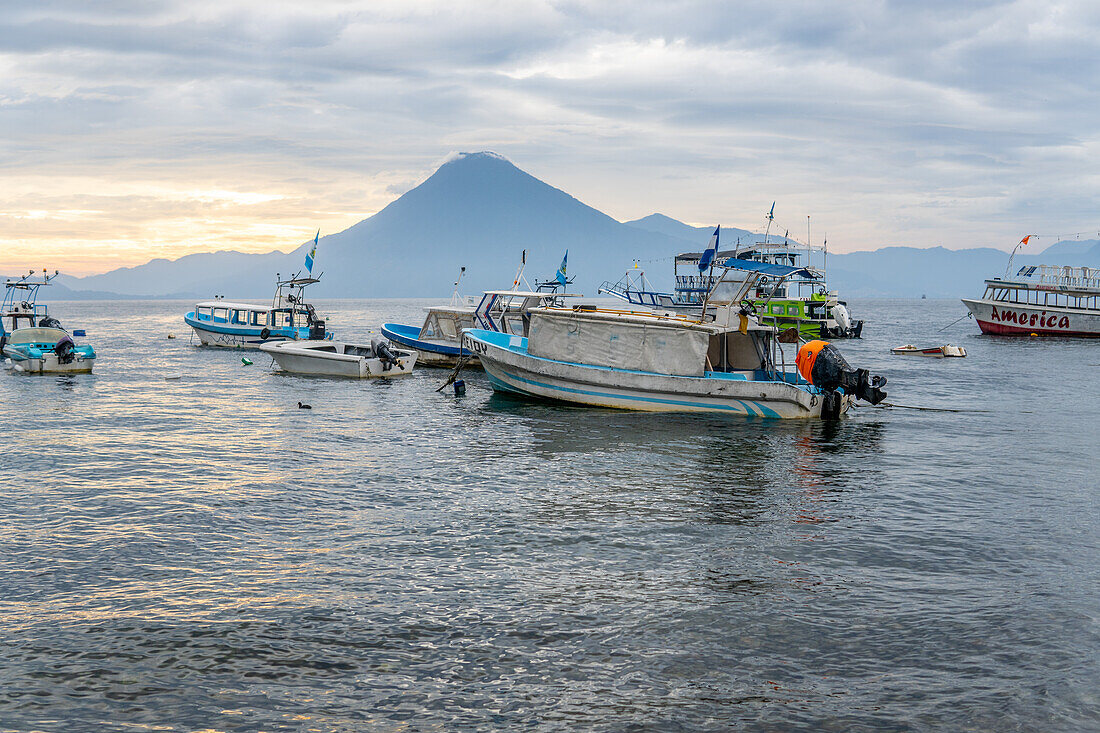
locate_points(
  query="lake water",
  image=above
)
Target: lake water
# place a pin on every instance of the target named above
(200, 554)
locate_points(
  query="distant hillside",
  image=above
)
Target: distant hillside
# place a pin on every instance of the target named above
(479, 211)
(700, 236)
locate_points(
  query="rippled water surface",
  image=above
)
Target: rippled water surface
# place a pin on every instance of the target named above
(200, 554)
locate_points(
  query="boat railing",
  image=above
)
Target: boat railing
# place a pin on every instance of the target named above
(1062, 276)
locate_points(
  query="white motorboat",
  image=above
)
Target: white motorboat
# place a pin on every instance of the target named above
(339, 359)
(937, 352)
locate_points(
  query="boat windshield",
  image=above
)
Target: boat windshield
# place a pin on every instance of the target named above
(36, 336)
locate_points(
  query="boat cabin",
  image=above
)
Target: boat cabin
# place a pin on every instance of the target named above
(1049, 286)
(504, 311)
(225, 313)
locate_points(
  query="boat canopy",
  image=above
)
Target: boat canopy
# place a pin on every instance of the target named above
(36, 335)
(766, 268)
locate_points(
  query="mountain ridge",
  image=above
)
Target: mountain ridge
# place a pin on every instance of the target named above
(478, 210)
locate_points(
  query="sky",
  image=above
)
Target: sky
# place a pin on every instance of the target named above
(158, 128)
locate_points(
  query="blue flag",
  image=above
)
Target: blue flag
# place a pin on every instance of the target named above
(561, 270)
(711, 251)
(312, 253)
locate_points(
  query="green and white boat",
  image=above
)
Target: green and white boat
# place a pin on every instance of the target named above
(804, 302)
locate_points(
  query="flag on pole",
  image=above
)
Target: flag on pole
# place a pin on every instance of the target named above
(1024, 240)
(711, 251)
(562, 270)
(312, 252)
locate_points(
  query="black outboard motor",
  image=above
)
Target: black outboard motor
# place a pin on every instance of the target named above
(316, 325)
(387, 357)
(823, 366)
(64, 350)
(49, 322)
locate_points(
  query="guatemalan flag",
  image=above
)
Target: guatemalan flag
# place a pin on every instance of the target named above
(561, 270)
(312, 252)
(711, 251)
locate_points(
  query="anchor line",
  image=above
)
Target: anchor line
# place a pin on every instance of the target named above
(949, 325)
(925, 409)
(462, 360)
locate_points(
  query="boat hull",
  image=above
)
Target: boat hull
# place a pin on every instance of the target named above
(1018, 319)
(305, 357)
(936, 352)
(511, 369)
(48, 363)
(429, 353)
(228, 337)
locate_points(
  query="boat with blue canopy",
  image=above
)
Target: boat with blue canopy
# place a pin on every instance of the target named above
(438, 341)
(803, 301)
(723, 360)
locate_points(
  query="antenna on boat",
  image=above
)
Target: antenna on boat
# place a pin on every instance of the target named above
(1023, 241)
(771, 218)
(455, 297)
(809, 250)
(519, 273)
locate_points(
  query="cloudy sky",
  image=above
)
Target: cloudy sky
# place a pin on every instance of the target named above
(152, 128)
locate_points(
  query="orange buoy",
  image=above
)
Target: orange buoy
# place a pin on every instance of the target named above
(807, 355)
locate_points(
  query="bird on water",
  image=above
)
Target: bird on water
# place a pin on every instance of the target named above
(302, 406)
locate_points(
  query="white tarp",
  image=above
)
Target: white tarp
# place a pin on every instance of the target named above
(619, 343)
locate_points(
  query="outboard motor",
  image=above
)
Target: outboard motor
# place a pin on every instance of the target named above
(843, 320)
(317, 329)
(382, 350)
(50, 322)
(823, 366)
(64, 350)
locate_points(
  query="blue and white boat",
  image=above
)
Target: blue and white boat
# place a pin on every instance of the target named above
(45, 350)
(220, 322)
(34, 341)
(439, 340)
(726, 362)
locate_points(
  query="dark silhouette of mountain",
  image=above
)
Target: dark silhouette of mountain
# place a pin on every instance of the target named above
(477, 211)
(480, 211)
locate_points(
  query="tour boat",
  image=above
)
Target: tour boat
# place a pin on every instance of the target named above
(220, 322)
(339, 359)
(47, 350)
(938, 352)
(724, 360)
(1041, 300)
(439, 340)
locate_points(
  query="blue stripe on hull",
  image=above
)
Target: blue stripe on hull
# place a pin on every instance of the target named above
(390, 331)
(754, 409)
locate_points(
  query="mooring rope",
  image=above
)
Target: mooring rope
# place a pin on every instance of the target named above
(926, 409)
(949, 325)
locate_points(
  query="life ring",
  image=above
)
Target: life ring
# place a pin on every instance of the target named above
(264, 333)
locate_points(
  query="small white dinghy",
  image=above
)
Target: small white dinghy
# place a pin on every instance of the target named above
(937, 352)
(338, 359)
